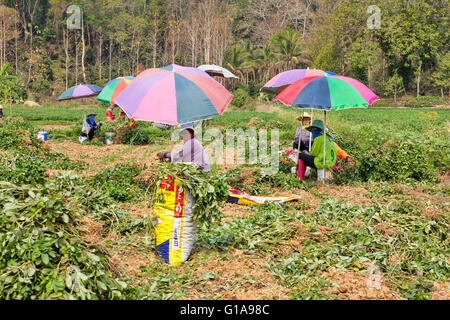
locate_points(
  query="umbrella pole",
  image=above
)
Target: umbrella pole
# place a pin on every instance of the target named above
(171, 143)
(300, 140)
(324, 145)
(310, 133)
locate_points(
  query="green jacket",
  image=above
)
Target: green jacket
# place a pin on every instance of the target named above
(317, 152)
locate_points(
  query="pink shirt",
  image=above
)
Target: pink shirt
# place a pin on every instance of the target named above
(193, 152)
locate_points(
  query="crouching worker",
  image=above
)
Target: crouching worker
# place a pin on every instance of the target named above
(109, 113)
(89, 128)
(191, 152)
(315, 158)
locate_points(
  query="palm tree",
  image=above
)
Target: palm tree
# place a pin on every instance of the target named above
(235, 60)
(286, 44)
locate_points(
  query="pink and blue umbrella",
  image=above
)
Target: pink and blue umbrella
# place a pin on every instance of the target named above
(326, 93)
(80, 91)
(173, 95)
(283, 79)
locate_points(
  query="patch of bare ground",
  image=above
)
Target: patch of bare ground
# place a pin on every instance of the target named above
(253, 122)
(350, 285)
(239, 276)
(296, 242)
(100, 157)
(441, 291)
(122, 260)
(232, 210)
(348, 194)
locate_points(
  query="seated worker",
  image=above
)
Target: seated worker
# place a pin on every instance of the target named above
(305, 136)
(92, 128)
(315, 158)
(301, 134)
(109, 113)
(191, 152)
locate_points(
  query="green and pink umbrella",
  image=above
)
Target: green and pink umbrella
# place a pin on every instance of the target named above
(80, 91)
(327, 93)
(283, 79)
(173, 95)
(112, 89)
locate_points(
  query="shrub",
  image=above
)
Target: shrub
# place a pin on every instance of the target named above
(240, 98)
(398, 160)
(15, 133)
(135, 136)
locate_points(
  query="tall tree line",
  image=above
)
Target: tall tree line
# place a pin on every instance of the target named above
(255, 39)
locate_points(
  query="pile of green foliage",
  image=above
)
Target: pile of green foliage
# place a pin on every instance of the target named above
(209, 191)
(118, 182)
(42, 251)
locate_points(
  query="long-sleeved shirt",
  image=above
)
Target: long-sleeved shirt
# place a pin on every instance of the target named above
(305, 135)
(192, 151)
(317, 152)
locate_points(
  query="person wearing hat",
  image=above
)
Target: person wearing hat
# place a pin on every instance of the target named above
(92, 127)
(302, 136)
(191, 152)
(315, 158)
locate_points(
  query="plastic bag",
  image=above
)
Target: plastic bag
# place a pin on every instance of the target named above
(85, 127)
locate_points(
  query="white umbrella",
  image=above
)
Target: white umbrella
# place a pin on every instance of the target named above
(214, 70)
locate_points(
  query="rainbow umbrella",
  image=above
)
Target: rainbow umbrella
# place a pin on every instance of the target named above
(326, 93)
(173, 95)
(80, 91)
(283, 79)
(113, 88)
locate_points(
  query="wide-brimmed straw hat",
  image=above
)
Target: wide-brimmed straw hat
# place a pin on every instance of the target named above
(304, 116)
(92, 114)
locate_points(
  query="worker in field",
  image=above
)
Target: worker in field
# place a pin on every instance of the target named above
(128, 121)
(305, 138)
(191, 152)
(109, 113)
(89, 128)
(315, 158)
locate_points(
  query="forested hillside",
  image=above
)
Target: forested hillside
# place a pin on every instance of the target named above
(397, 46)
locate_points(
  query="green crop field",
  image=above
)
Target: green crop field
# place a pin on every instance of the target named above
(89, 223)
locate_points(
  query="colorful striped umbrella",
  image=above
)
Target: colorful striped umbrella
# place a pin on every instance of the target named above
(80, 91)
(113, 88)
(173, 95)
(283, 79)
(326, 93)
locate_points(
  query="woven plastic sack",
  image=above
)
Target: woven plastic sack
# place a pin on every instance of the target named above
(174, 229)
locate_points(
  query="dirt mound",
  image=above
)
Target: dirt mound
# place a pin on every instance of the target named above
(253, 122)
(350, 285)
(223, 274)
